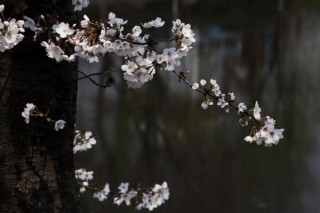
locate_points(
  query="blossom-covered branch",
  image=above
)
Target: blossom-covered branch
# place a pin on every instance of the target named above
(148, 198)
(263, 127)
(91, 40)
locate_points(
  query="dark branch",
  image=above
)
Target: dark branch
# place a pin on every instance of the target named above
(97, 73)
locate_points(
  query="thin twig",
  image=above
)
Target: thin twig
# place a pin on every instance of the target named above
(90, 79)
(93, 81)
(98, 73)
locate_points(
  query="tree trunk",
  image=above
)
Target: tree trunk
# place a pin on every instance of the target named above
(36, 162)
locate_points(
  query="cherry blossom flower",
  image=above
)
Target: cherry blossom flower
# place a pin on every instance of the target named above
(222, 101)
(80, 4)
(83, 187)
(130, 67)
(154, 23)
(62, 29)
(256, 111)
(123, 188)
(83, 175)
(2, 8)
(83, 140)
(215, 88)
(53, 51)
(28, 110)
(203, 82)
(205, 104)
(116, 22)
(134, 81)
(29, 23)
(136, 31)
(241, 107)
(85, 23)
(155, 198)
(125, 197)
(231, 96)
(103, 194)
(195, 86)
(10, 33)
(59, 124)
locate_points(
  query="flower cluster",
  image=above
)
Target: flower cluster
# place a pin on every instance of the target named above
(183, 34)
(83, 178)
(102, 195)
(212, 91)
(80, 4)
(155, 197)
(83, 140)
(10, 32)
(28, 111)
(142, 69)
(91, 40)
(32, 110)
(62, 34)
(154, 23)
(264, 131)
(148, 198)
(124, 195)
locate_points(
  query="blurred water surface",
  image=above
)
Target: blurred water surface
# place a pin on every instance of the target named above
(262, 50)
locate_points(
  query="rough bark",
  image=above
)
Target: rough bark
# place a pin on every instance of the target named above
(36, 162)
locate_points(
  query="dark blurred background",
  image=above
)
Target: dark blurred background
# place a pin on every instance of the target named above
(261, 50)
